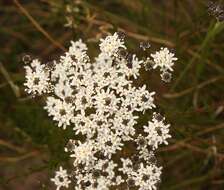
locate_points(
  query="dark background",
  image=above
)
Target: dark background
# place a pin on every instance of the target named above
(31, 146)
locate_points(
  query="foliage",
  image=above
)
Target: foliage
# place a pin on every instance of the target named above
(193, 102)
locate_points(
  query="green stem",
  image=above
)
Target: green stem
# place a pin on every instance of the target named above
(214, 30)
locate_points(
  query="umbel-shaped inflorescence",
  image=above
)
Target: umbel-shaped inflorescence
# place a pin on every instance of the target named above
(102, 105)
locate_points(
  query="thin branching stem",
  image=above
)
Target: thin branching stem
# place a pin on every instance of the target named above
(37, 26)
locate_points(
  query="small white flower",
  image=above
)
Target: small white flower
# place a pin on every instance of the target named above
(111, 44)
(144, 99)
(61, 179)
(77, 46)
(106, 101)
(37, 78)
(147, 177)
(83, 153)
(77, 53)
(60, 110)
(157, 133)
(132, 66)
(63, 89)
(164, 59)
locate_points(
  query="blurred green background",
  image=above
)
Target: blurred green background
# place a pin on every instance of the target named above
(31, 146)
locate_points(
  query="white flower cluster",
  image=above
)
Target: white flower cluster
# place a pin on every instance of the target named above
(37, 78)
(164, 60)
(145, 177)
(99, 101)
(157, 133)
(61, 179)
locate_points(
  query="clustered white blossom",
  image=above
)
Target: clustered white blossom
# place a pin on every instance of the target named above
(37, 78)
(162, 59)
(61, 179)
(102, 105)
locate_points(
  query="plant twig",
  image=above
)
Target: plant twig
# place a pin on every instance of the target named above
(212, 32)
(51, 48)
(178, 143)
(150, 38)
(133, 25)
(19, 158)
(11, 146)
(189, 90)
(3, 84)
(38, 27)
(14, 87)
(26, 174)
(207, 61)
(200, 150)
(189, 182)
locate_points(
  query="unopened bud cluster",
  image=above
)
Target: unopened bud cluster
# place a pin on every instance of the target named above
(216, 9)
